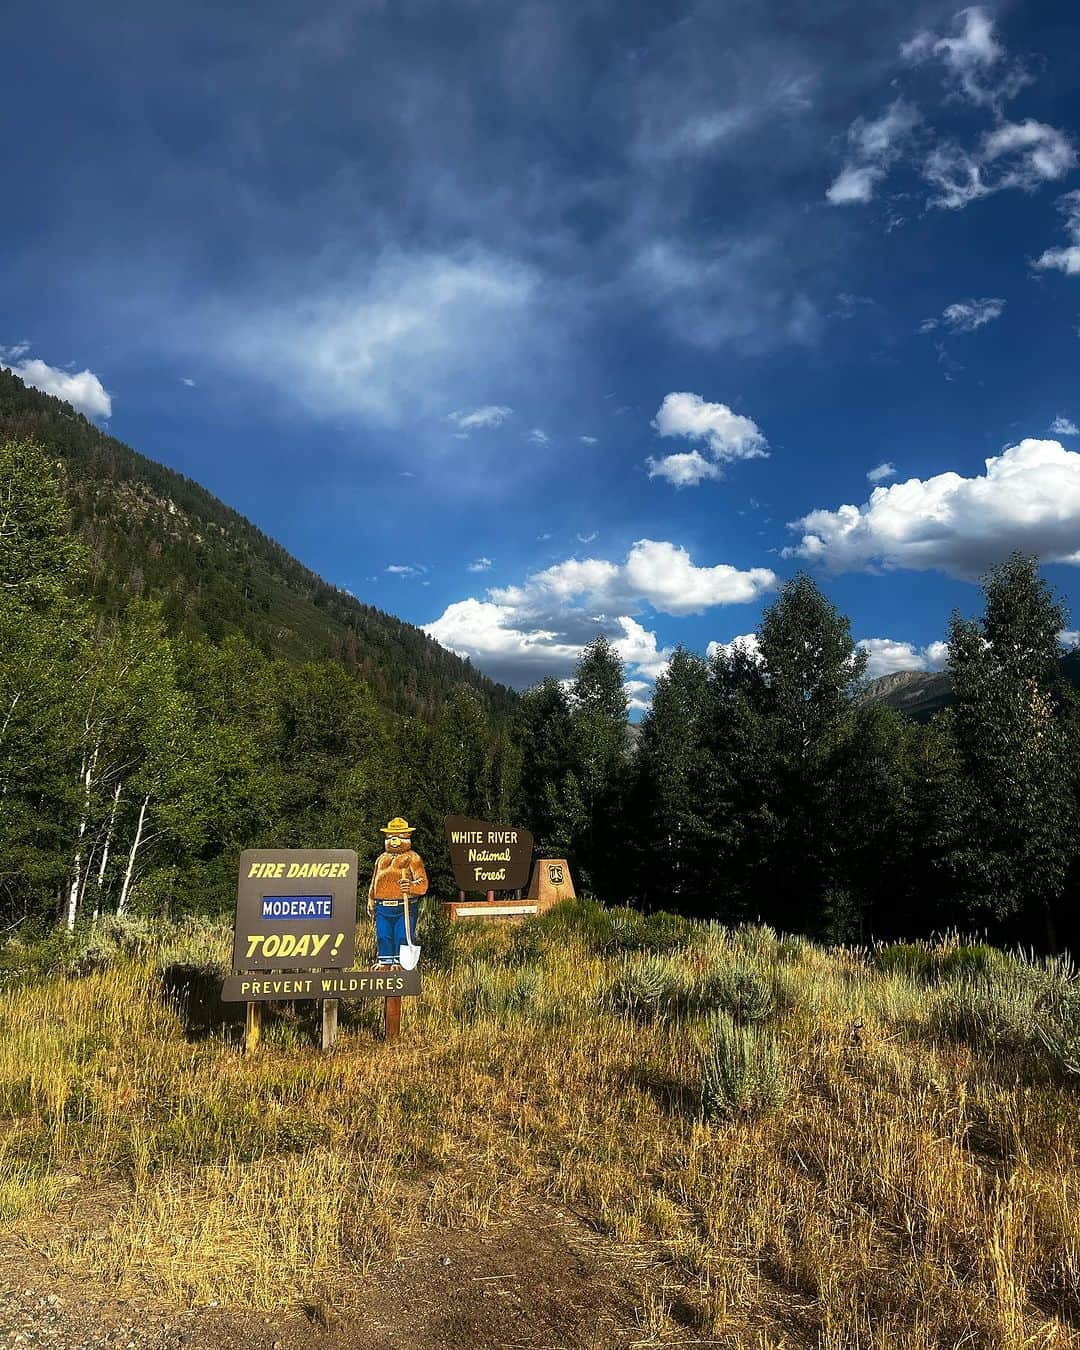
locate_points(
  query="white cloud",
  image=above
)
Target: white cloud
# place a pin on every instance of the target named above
(1066, 259)
(184, 380)
(638, 648)
(84, 391)
(521, 633)
(977, 65)
(1028, 499)
(964, 316)
(587, 538)
(686, 469)
(1069, 637)
(479, 565)
(588, 440)
(389, 342)
(538, 436)
(887, 656)
(726, 435)
(881, 471)
(491, 415)
(405, 570)
(1020, 155)
(1064, 426)
(745, 642)
(873, 146)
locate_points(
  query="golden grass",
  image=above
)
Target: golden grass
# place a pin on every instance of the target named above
(910, 1192)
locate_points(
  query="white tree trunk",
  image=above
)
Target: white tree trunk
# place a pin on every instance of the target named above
(121, 907)
(75, 889)
(105, 853)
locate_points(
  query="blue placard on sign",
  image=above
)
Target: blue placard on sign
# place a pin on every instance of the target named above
(297, 907)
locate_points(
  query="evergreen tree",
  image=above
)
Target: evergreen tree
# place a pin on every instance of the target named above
(1015, 727)
(598, 712)
(811, 672)
(670, 836)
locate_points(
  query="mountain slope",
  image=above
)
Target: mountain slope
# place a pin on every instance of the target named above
(152, 532)
(919, 694)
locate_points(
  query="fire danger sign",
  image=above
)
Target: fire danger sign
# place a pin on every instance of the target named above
(295, 910)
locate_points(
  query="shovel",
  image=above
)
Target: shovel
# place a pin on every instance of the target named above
(408, 953)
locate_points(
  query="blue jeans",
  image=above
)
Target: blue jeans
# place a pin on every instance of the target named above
(390, 928)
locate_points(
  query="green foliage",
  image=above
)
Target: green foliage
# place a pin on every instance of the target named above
(742, 1073)
(488, 992)
(153, 534)
(613, 930)
(646, 988)
(741, 991)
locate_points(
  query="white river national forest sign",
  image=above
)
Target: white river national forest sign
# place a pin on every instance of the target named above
(486, 856)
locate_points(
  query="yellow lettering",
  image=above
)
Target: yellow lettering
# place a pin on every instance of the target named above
(293, 868)
(301, 946)
(253, 943)
(287, 945)
(318, 942)
(270, 944)
(253, 870)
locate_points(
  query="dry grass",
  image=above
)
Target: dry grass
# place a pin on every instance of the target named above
(911, 1190)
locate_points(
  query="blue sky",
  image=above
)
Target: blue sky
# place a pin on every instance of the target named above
(529, 321)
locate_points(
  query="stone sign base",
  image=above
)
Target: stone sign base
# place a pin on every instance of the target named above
(550, 883)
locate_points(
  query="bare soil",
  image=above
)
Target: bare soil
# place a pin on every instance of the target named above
(539, 1279)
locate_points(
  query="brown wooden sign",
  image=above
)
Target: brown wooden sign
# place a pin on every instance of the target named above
(486, 856)
(267, 988)
(295, 910)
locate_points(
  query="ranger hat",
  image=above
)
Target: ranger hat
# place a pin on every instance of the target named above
(397, 826)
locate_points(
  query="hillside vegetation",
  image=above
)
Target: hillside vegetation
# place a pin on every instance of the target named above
(152, 534)
(776, 1144)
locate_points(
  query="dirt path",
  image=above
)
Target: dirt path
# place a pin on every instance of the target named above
(541, 1279)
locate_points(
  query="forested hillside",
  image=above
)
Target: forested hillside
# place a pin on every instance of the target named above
(138, 759)
(153, 534)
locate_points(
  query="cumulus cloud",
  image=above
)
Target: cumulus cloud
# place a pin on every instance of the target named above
(1066, 259)
(745, 642)
(587, 440)
(1028, 499)
(873, 146)
(84, 391)
(964, 316)
(479, 565)
(538, 436)
(405, 570)
(1064, 426)
(886, 656)
(654, 572)
(977, 66)
(185, 380)
(688, 468)
(724, 434)
(521, 633)
(881, 471)
(491, 415)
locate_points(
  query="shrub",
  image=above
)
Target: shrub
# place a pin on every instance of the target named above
(645, 989)
(739, 990)
(485, 994)
(1059, 1033)
(997, 1010)
(614, 930)
(904, 958)
(741, 1070)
